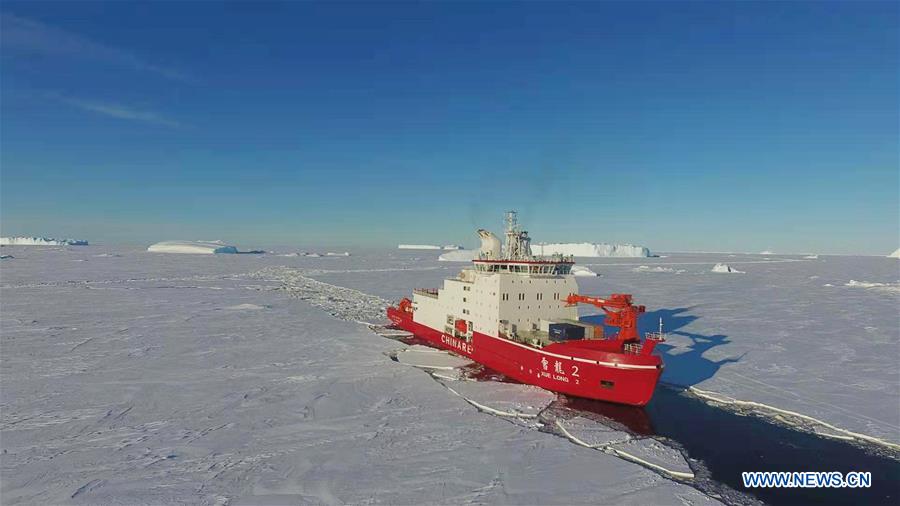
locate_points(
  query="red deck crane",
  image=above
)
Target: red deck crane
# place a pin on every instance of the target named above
(620, 312)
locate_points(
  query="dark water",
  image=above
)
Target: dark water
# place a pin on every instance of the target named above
(728, 443)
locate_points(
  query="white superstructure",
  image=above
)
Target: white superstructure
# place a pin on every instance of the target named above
(507, 290)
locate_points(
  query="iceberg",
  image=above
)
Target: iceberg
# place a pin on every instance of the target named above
(417, 246)
(587, 249)
(452, 246)
(578, 270)
(40, 241)
(895, 254)
(191, 247)
(726, 269)
(460, 255)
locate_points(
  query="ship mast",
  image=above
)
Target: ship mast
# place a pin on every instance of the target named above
(518, 244)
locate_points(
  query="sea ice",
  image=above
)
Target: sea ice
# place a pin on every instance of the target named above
(155, 379)
(885, 287)
(647, 268)
(427, 358)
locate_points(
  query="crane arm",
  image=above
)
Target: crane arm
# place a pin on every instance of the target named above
(620, 312)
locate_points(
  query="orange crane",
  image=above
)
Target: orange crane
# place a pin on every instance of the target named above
(620, 312)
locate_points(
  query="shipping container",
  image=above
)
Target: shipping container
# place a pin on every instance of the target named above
(566, 331)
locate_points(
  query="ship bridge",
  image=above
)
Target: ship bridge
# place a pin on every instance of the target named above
(515, 255)
(546, 267)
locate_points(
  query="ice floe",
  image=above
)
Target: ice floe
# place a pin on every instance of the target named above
(885, 287)
(424, 357)
(647, 268)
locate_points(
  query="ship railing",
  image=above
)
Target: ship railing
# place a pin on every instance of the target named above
(634, 348)
(655, 336)
(430, 292)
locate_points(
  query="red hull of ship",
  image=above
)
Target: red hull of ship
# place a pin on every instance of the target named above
(587, 368)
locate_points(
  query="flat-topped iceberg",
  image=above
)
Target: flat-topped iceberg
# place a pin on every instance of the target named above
(192, 247)
(40, 241)
(460, 255)
(587, 249)
(418, 246)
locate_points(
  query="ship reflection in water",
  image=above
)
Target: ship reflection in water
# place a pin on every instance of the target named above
(633, 419)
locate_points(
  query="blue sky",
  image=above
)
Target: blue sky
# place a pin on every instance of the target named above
(681, 126)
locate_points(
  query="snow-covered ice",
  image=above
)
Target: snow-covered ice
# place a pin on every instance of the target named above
(165, 379)
(191, 247)
(586, 249)
(40, 241)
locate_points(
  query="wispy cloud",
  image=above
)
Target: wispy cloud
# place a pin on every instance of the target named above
(118, 111)
(23, 35)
